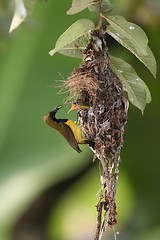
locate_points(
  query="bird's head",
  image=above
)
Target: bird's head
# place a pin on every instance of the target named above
(51, 114)
(78, 105)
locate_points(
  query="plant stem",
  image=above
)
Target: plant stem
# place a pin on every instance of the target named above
(100, 12)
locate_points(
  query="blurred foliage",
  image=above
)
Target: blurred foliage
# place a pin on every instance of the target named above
(35, 159)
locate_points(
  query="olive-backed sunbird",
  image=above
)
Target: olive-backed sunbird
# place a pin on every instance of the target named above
(69, 129)
(78, 105)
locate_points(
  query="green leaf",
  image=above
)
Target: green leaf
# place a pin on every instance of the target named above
(138, 92)
(106, 6)
(76, 48)
(74, 40)
(80, 5)
(19, 15)
(148, 60)
(22, 9)
(93, 5)
(131, 31)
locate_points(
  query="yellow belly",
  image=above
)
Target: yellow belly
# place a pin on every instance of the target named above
(76, 131)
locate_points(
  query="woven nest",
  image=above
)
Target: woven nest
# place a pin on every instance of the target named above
(104, 121)
(82, 82)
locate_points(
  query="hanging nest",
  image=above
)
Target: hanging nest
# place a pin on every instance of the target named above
(95, 83)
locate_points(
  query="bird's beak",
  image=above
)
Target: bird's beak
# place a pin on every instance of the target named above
(73, 107)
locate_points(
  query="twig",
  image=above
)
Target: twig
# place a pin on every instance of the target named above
(99, 207)
(100, 13)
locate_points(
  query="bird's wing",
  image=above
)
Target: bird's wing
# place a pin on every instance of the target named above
(71, 138)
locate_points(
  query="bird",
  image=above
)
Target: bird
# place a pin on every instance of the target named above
(82, 106)
(68, 128)
(78, 105)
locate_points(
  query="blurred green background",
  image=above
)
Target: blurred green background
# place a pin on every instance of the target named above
(47, 190)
